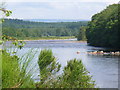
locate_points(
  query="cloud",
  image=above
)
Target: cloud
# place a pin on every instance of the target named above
(110, 1)
(55, 10)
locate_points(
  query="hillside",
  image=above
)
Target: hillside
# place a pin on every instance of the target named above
(104, 28)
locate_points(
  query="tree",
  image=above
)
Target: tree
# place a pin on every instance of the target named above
(82, 34)
(38, 29)
(104, 30)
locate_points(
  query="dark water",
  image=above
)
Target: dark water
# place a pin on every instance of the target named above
(104, 69)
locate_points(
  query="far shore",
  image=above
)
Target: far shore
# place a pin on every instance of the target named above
(43, 39)
(72, 41)
(46, 38)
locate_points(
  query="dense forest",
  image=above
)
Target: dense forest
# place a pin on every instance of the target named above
(19, 28)
(104, 28)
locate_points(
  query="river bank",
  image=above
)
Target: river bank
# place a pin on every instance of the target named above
(46, 38)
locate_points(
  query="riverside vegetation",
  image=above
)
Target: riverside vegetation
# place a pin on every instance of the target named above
(74, 75)
(12, 75)
(15, 76)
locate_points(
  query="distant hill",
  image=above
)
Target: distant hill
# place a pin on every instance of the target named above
(22, 29)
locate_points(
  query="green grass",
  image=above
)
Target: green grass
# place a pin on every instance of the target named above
(46, 38)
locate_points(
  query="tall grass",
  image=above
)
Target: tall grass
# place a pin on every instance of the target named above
(10, 70)
(15, 72)
(0, 69)
(14, 76)
(26, 69)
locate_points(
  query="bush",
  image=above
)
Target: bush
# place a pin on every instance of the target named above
(75, 75)
(48, 65)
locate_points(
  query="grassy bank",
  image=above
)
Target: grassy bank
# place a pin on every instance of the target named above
(46, 38)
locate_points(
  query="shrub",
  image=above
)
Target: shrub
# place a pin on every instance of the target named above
(47, 65)
(75, 75)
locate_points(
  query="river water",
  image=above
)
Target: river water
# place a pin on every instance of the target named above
(104, 69)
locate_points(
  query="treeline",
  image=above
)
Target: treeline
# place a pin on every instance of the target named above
(104, 28)
(19, 28)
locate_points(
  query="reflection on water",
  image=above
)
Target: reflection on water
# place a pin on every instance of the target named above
(104, 69)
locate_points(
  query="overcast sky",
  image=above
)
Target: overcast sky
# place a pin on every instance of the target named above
(56, 9)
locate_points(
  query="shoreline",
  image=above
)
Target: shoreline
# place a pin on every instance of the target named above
(69, 40)
(46, 39)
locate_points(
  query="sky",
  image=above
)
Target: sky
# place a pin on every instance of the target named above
(56, 9)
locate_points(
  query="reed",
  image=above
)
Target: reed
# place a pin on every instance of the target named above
(15, 75)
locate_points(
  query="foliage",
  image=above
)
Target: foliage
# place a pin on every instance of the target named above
(74, 74)
(22, 29)
(104, 29)
(48, 65)
(12, 75)
(6, 13)
(82, 34)
(10, 70)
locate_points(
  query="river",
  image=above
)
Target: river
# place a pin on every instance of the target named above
(104, 69)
